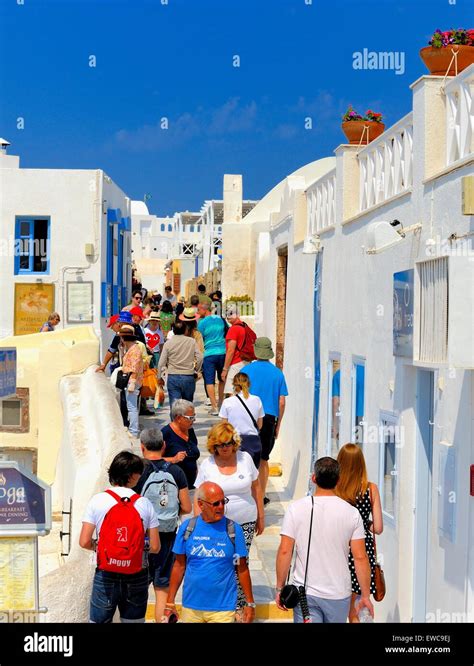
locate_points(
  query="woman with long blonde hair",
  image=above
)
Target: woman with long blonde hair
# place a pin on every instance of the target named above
(354, 487)
(245, 412)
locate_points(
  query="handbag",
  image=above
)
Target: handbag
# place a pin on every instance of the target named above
(379, 576)
(121, 379)
(150, 384)
(290, 595)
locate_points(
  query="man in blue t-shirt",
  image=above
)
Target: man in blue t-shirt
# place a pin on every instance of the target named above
(206, 558)
(212, 329)
(268, 382)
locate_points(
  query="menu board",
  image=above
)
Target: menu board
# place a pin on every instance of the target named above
(34, 302)
(79, 302)
(17, 573)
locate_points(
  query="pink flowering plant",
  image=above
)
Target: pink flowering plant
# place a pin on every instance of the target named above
(351, 114)
(461, 37)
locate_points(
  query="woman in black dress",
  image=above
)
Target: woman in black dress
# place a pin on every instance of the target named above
(354, 487)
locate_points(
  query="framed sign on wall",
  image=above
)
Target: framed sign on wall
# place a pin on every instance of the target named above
(33, 303)
(80, 303)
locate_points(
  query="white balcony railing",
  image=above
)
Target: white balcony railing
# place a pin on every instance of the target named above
(386, 164)
(321, 198)
(460, 116)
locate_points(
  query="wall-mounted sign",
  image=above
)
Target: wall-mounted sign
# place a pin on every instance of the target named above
(80, 306)
(25, 501)
(403, 297)
(18, 574)
(33, 303)
(7, 372)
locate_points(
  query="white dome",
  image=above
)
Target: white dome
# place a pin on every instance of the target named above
(139, 208)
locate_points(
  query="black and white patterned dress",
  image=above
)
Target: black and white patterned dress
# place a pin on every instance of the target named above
(364, 507)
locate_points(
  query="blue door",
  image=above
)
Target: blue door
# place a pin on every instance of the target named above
(424, 474)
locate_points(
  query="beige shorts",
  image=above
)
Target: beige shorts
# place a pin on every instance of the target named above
(233, 370)
(199, 617)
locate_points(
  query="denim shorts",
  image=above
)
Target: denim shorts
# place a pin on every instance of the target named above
(127, 592)
(160, 565)
(210, 366)
(325, 611)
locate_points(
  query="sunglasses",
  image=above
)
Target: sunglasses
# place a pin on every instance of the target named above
(224, 445)
(217, 502)
(138, 298)
(190, 418)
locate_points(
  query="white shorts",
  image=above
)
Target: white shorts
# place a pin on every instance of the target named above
(233, 370)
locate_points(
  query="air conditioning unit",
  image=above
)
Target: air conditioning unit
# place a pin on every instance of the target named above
(444, 312)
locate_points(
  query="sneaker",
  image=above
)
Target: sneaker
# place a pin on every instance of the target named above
(213, 412)
(266, 500)
(208, 402)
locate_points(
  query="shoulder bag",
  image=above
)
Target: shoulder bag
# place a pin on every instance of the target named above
(290, 595)
(379, 577)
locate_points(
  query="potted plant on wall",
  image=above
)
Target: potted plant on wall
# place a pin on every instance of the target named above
(362, 129)
(452, 49)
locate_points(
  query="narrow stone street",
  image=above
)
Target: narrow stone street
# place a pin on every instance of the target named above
(264, 548)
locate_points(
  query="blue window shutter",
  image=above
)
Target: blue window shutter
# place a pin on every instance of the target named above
(115, 293)
(106, 300)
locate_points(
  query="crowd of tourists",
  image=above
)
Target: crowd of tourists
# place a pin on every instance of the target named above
(169, 519)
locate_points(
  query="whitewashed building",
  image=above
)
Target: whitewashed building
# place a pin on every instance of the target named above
(65, 247)
(362, 270)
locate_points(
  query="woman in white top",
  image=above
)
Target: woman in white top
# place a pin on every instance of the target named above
(245, 412)
(235, 473)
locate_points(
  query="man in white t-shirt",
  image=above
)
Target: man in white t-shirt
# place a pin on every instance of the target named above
(336, 525)
(111, 590)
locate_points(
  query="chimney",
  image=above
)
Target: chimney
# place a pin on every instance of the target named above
(232, 198)
(3, 146)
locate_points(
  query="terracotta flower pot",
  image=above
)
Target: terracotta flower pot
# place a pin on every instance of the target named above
(437, 60)
(353, 129)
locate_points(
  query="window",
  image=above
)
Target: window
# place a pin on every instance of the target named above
(188, 248)
(388, 474)
(358, 402)
(334, 402)
(14, 412)
(162, 227)
(32, 240)
(170, 227)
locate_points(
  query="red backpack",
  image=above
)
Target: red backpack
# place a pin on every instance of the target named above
(246, 351)
(122, 537)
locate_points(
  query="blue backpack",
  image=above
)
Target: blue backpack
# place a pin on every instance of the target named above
(161, 489)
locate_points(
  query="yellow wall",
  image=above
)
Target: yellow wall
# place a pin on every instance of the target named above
(42, 360)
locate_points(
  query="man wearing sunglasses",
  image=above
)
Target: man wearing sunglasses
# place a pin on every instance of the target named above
(209, 548)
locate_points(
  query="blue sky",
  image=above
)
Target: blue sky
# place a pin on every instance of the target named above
(175, 61)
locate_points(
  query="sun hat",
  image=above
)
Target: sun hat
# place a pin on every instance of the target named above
(154, 316)
(127, 329)
(113, 320)
(138, 312)
(125, 317)
(263, 349)
(188, 314)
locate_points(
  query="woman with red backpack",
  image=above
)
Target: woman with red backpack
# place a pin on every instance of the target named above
(123, 522)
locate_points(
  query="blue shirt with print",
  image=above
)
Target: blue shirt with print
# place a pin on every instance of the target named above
(209, 581)
(268, 382)
(212, 331)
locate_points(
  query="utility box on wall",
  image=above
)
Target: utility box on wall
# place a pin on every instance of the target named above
(468, 195)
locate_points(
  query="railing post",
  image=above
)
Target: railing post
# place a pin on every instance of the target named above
(429, 127)
(347, 182)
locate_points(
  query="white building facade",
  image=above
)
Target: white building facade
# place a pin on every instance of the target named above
(66, 233)
(363, 276)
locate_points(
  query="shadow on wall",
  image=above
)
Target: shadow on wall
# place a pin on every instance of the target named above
(393, 616)
(293, 476)
(93, 434)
